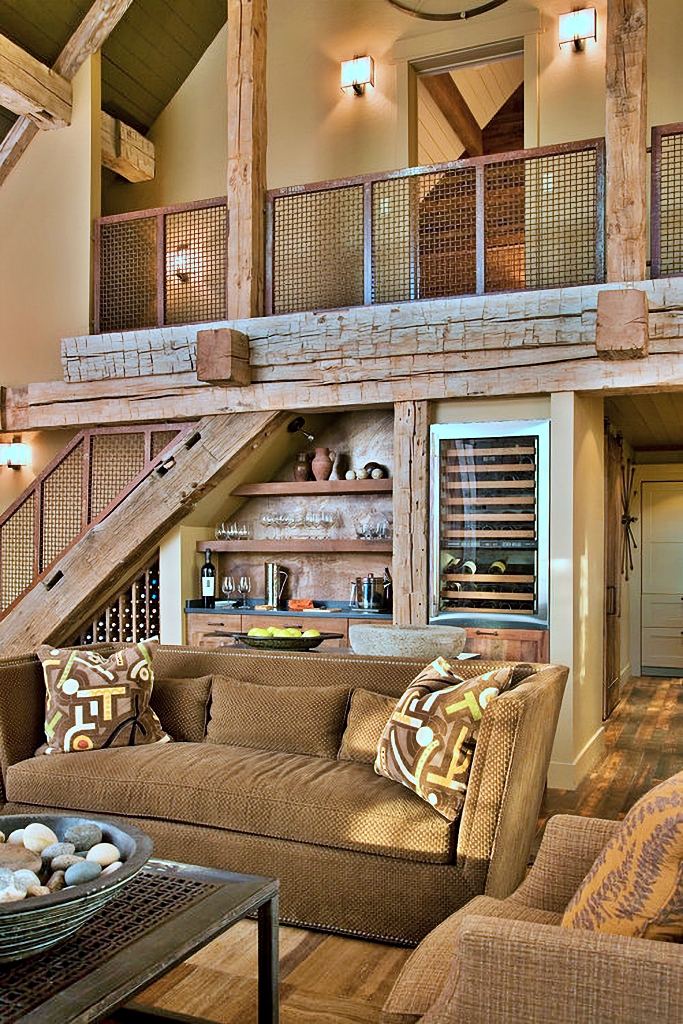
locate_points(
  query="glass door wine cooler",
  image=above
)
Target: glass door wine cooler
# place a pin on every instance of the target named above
(489, 524)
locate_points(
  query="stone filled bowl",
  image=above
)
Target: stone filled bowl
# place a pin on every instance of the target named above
(36, 923)
(427, 642)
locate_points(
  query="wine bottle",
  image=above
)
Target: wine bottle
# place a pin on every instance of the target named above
(499, 566)
(208, 582)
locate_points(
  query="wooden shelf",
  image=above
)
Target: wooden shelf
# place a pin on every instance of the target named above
(280, 487)
(308, 545)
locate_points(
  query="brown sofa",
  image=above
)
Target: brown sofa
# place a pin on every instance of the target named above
(355, 853)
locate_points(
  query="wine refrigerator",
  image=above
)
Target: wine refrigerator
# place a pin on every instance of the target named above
(489, 523)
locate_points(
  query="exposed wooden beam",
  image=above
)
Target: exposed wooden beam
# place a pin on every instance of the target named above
(452, 105)
(126, 151)
(88, 38)
(223, 356)
(30, 89)
(247, 138)
(411, 513)
(626, 140)
(622, 328)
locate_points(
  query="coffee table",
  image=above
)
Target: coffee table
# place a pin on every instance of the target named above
(161, 917)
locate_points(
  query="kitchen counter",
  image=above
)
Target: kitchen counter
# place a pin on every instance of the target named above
(340, 609)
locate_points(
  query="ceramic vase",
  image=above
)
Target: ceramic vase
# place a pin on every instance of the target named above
(322, 463)
(302, 467)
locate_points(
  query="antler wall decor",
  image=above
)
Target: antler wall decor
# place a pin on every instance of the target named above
(628, 540)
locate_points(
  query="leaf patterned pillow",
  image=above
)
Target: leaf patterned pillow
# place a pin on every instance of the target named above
(94, 701)
(428, 743)
(635, 886)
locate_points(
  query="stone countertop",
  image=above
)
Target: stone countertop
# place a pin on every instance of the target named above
(335, 609)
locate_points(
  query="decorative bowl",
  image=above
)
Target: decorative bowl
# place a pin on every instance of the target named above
(36, 923)
(286, 643)
(426, 642)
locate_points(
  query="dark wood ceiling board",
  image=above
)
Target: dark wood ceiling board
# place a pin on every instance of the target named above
(189, 23)
(7, 119)
(648, 421)
(39, 27)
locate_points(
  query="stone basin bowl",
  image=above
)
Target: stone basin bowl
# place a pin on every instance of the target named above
(426, 642)
(36, 923)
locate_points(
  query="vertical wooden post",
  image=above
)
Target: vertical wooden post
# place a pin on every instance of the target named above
(411, 513)
(626, 138)
(247, 137)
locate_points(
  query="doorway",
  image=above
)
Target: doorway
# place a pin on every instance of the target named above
(662, 578)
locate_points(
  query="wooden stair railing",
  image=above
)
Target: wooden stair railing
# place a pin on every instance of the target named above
(79, 488)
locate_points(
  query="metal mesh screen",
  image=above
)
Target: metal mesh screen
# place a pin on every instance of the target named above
(196, 249)
(17, 546)
(318, 250)
(504, 226)
(561, 210)
(671, 205)
(62, 506)
(160, 439)
(447, 227)
(115, 459)
(128, 289)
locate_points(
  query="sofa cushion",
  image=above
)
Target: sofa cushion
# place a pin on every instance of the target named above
(286, 796)
(369, 712)
(291, 719)
(635, 886)
(95, 701)
(182, 706)
(428, 742)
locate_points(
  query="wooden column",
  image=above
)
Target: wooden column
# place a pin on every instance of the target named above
(411, 513)
(247, 137)
(626, 140)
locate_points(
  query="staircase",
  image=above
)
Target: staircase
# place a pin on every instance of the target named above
(93, 519)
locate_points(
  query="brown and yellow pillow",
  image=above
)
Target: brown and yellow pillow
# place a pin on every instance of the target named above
(93, 702)
(428, 742)
(635, 886)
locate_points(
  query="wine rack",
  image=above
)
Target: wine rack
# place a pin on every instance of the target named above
(489, 530)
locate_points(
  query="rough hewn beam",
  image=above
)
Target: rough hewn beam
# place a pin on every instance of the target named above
(247, 138)
(626, 140)
(411, 513)
(30, 89)
(452, 105)
(223, 357)
(126, 151)
(92, 568)
(88, 38)
(621, 330)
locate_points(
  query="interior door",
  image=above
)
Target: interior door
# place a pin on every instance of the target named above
(662, 578)
(612, 609)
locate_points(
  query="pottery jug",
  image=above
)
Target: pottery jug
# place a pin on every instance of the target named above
(302, 467)
(322, 463)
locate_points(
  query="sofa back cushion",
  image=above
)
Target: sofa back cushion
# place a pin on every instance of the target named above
(369, 712)
(290, 719)
(182, 706)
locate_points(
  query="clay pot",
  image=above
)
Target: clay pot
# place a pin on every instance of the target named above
(302, 467)
(322, 463)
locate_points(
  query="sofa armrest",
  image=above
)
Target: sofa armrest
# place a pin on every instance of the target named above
(568, 849)
(22, 711)
(524, 973)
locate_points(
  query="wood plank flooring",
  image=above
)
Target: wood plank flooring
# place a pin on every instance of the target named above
(326, 979)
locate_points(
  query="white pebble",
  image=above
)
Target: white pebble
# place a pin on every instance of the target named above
(38, 836)
(377, 474)
(114, 866)
(16, 837)
(10, 895)
(103, 853)
(24, 879)
(361, 474)
(350, 474)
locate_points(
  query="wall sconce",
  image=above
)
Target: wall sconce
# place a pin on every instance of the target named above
(16, 454)
(356, 74)
(578, 26)
(180, 263)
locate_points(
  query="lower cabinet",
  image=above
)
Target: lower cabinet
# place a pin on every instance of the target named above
(509, 644)
(201, 625)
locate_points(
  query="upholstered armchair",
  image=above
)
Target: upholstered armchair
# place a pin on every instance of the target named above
(510, 962)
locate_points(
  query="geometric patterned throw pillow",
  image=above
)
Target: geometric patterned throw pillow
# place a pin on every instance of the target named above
(635, 886)
(428, 742)
(94, 702)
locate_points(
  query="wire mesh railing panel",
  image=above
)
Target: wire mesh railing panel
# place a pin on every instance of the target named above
(561, 219)
(127, 275)
(196, 252)
(130, 616)
(318, 250)
(115, 460)
(669, 207)
(62, 514)
(160, 440)
(447, 224)
(504, 204)
(17, 544)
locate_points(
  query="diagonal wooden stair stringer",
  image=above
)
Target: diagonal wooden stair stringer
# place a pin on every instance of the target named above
(103, 559)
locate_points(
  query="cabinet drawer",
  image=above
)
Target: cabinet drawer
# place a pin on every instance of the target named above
(662, 610)
(509, 644)
(323, 624)
(199, 626)
(662, 648)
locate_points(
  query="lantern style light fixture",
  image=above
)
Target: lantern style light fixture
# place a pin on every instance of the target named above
(576, 27)
(16, 454)
(356, 74)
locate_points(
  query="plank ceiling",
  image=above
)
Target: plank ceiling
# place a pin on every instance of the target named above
(145, 60)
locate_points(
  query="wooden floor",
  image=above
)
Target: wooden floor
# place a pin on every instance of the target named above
(326, 979)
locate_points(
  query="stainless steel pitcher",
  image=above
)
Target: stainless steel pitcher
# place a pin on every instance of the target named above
(273, 586)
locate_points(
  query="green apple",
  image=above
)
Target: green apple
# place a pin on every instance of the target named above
(257, 631)
(280, 632)
(293, 631)
(310, 632)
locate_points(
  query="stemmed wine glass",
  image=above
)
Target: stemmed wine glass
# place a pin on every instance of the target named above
(228, 585)
(243, 588)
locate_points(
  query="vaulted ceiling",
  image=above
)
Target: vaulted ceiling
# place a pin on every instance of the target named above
(145, 59)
